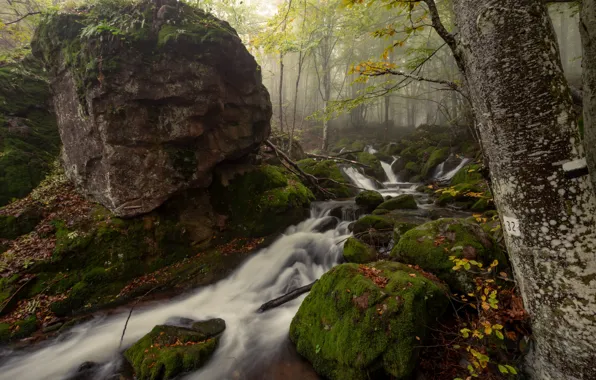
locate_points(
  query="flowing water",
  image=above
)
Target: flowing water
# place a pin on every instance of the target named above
(359, 179)
(441, 176)
(391, 176)
(251, 344)
(370, 149)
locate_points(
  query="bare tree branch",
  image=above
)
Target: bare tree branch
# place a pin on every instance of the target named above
(22, 17)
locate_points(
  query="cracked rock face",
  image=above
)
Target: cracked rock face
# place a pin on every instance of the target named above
(150, 114)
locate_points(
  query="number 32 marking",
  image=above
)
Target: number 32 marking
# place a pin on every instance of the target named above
(512, 226)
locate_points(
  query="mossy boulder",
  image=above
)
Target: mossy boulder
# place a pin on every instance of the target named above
(468, 174)
(169, 351)
(328, 169)
(13, 226)
(374, 169)
(369, 199)
(362, 322)
(356, 251)
(29, 140)
(260, 200)
(372, 222)
(400, 228)
(436, 157)
(401, 202)
(152, 102)
(431, 244)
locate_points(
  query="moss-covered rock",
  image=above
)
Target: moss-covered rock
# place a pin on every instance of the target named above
(24, 327)
(403, 201)
(436, 157)
(169, 351)
(328, 169)
(13, 226)
(29, 140)
(4, 332)
(369, 199)
(468, 174)
(356, 251)
(400, 228)
(361, 322)
(431, 244)
(373, 222)
(374, 169)
(261, 200)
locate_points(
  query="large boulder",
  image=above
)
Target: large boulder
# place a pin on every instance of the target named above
(169, 351)
(401, 202)
(369, 199)
(431, 245)
(29, 140)
(147, 107)
(367, 322)
(356, 251)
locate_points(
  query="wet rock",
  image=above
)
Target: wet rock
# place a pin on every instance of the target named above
(431, 244)
(404, 201)
(399, 165)
(326, 224)
(210, 328)
(167, 101)
(374, 326)
(356, 251)
(347, 212)
(328, 169)
(169, 351)
(369, 199)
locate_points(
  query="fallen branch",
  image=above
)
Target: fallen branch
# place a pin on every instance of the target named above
(285, 298)
(130, 313)
(310, 178)
(348, 152)
(337, 158)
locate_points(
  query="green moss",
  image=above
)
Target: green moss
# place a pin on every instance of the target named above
(327, 169)
(404, 201)
(24, 327)
(4, 332)
(413, 168)
(158, 355)
(431, 244)
(369, 199)
(468, 174)
(358, 145)
(374, 222)
(400, 229)
(29, 140)
(437, 156)
(262, 201)
(380, 211)
(12, 227)
(375, 168)
(356, 251)
(349, 328)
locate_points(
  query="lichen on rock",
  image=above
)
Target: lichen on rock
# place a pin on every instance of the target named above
(167, 92)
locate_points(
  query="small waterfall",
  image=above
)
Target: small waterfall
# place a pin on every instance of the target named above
(370, 149)
(391, 177)
(445, 177)
(438, 172)
(251, 343)
(360, 179)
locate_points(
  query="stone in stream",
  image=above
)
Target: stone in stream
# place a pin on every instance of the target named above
(152, 112)
(401, 202)
(431, 244)
(169, 351)
(367, 321)
(369, 199)
(356, 251)
(328, 223)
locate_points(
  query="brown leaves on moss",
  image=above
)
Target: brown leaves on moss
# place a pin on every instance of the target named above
(374, 274)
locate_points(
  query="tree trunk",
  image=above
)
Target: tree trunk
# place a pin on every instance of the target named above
(588, 33)
(528, 128)
(281, 92)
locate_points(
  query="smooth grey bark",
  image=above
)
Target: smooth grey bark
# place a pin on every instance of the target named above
(588, 33)
(528, 129)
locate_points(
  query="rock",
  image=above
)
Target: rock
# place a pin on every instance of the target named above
(436, 157)
(404, 201)
(151, 113)
(13, 226)
(400, 228)
(355, 251)
(169, 351)
(348, 212)
(373, 222)
(259, 200)
(375, 168)
(210, 328)
(399, 165)
(467, 174)
(430, 245)
(369, 199)
(29, 139)
(367, 322)
(328, 169)
(328, 223)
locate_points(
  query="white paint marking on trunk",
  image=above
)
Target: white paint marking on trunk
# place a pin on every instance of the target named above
(511, 225)
(575, 165)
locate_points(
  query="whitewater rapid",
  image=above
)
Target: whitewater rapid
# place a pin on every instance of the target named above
(250, 341)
